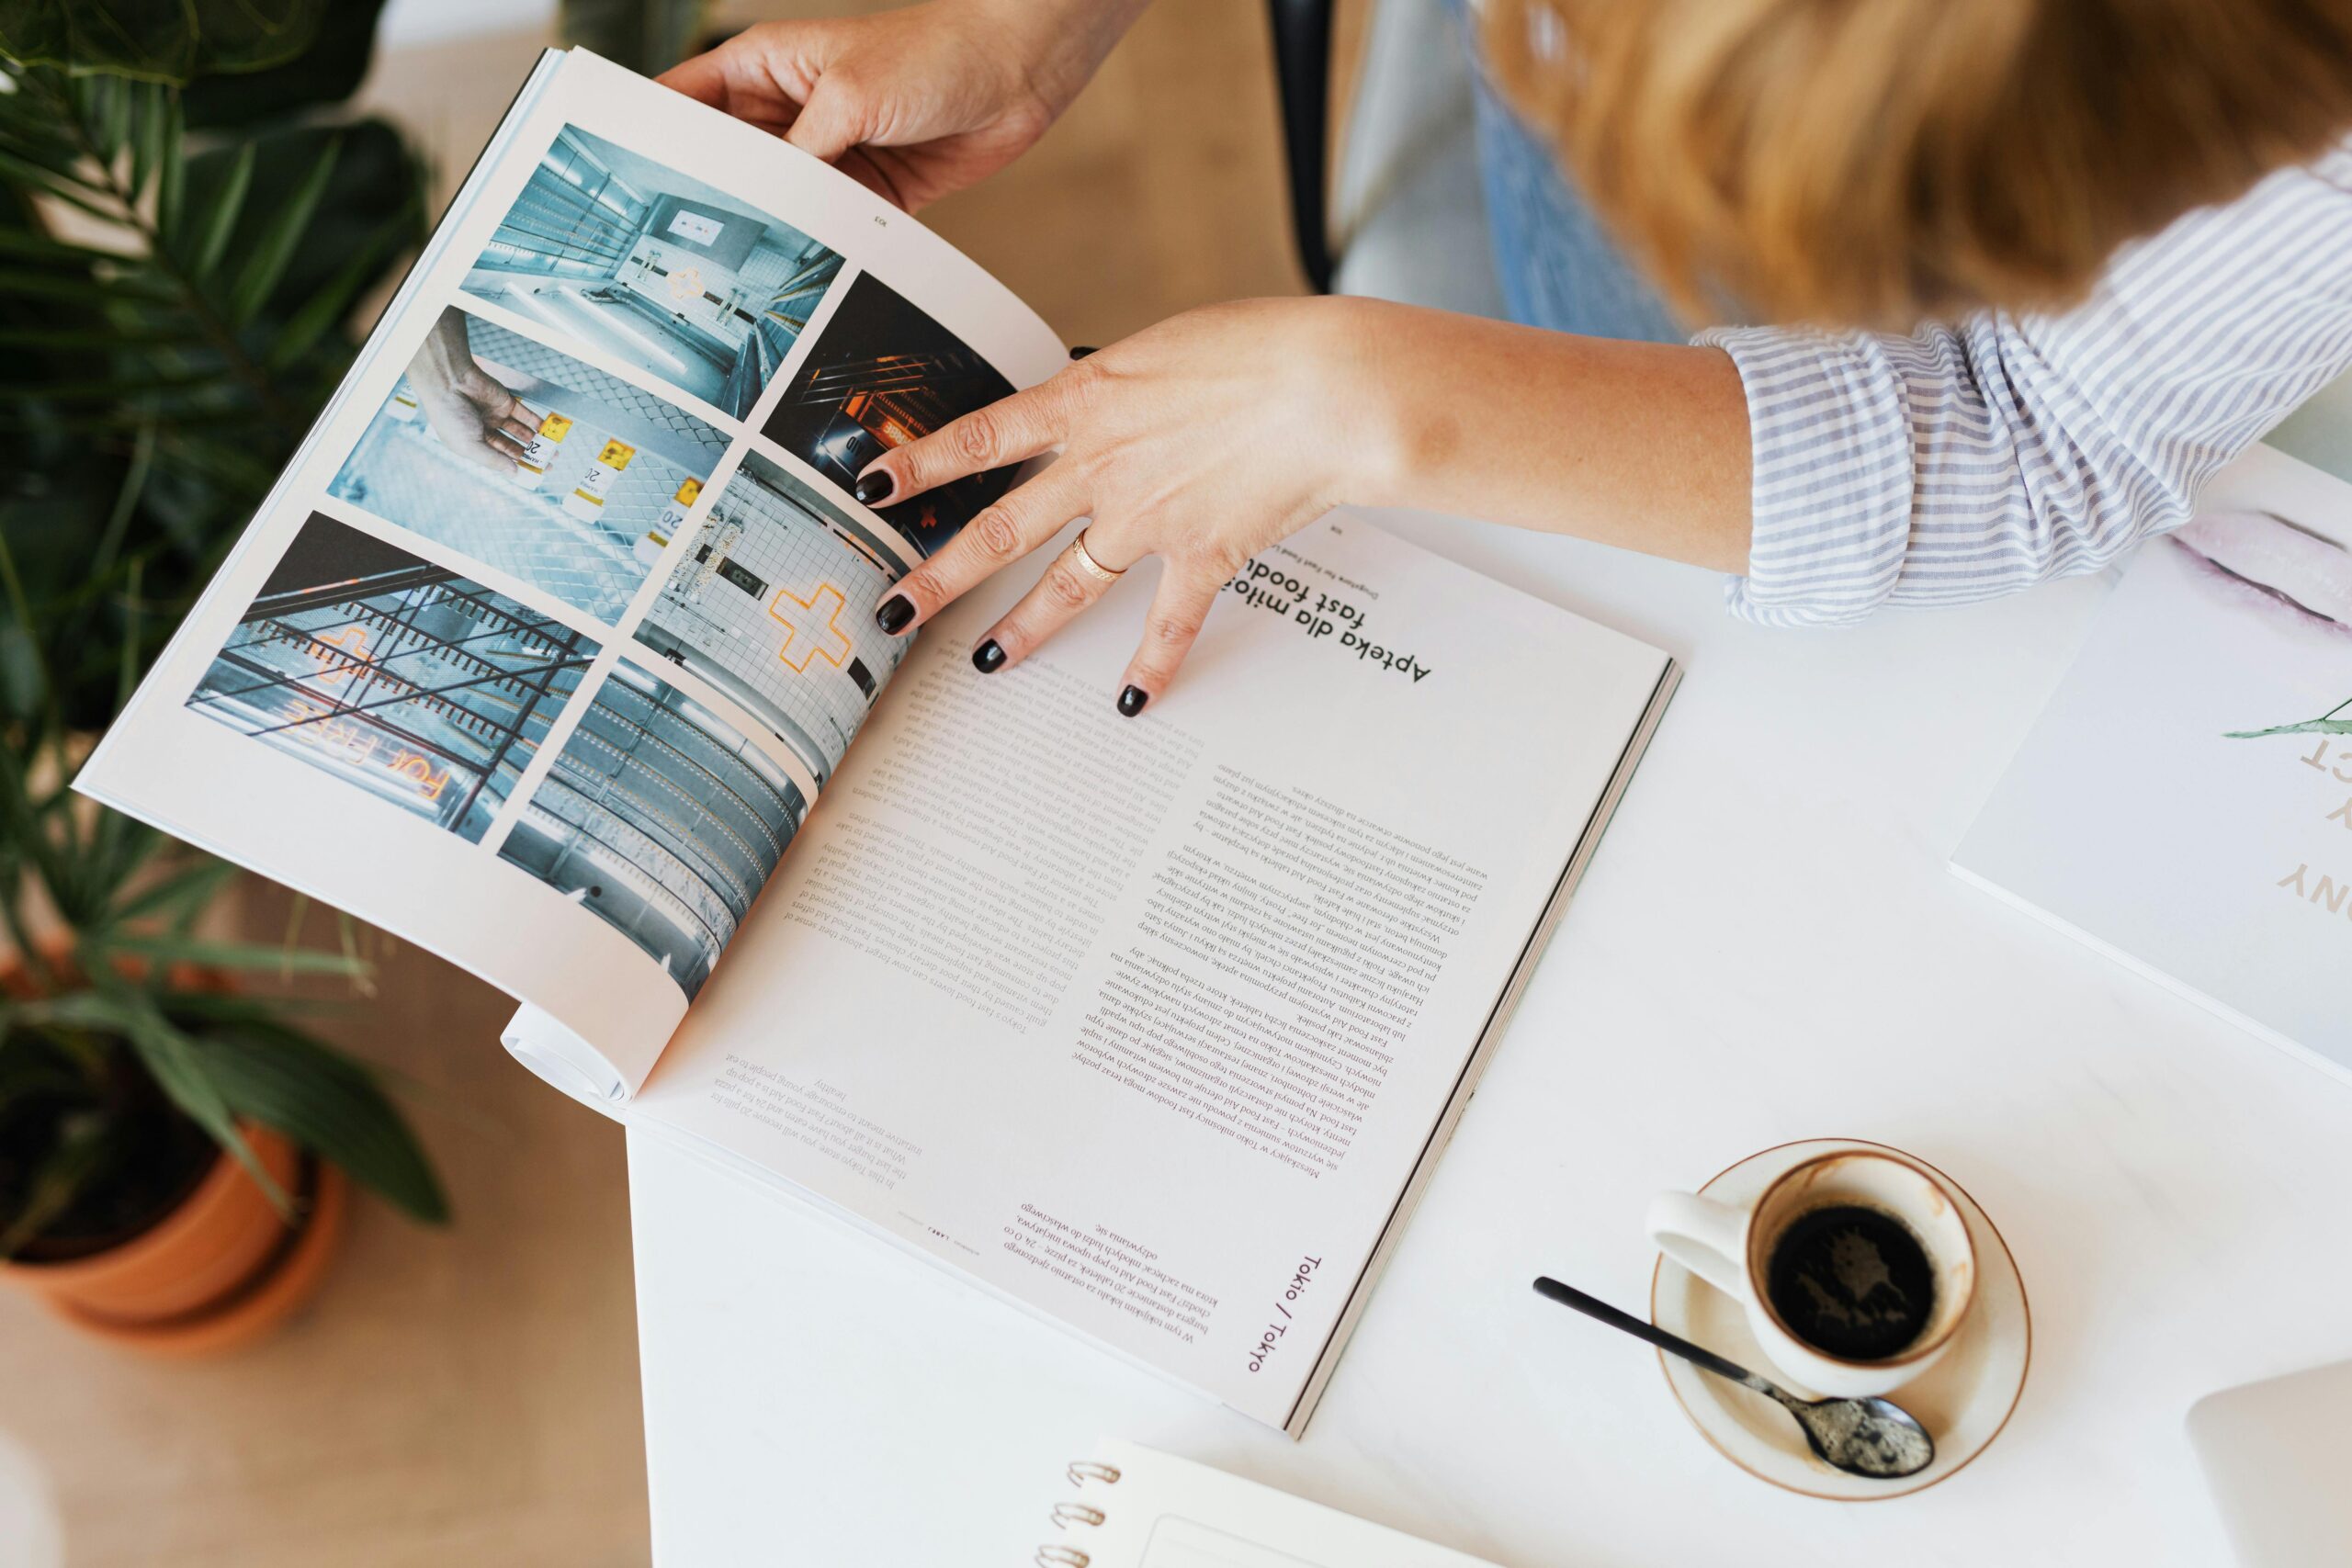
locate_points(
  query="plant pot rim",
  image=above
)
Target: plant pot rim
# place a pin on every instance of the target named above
(222, 1184)
(283, 1288)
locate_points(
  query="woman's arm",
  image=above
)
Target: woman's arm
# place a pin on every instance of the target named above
(1972, 460)
(1207, 437)
(1834, 472)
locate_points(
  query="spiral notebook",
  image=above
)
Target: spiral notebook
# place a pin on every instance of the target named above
(1136, 1507)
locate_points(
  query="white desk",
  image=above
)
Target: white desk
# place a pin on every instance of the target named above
(1768, 947)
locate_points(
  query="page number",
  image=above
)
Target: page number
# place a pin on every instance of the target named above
(880, 221)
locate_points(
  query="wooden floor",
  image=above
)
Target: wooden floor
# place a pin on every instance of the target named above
(470, 1397)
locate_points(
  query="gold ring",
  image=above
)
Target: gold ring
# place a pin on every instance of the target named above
(1085, 557)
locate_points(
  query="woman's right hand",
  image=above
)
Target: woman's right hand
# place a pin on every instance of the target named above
(914, 103)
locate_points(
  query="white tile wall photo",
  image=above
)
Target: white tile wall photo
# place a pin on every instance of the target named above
(773, 605)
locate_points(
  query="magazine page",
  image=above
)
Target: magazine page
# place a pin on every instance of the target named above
(541, 651)
(2222, 668)
(1147, 1022)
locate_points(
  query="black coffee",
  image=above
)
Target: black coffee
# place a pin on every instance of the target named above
(1852, 1282)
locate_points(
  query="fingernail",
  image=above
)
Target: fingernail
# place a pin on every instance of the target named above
(1082, 351)
(873, 487)
(895, 613)
(988, 659)
(1131, 701)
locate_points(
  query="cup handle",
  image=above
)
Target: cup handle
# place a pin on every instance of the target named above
(1704, 1236)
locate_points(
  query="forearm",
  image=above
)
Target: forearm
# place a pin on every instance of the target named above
(1073, 37)
(1642, 446)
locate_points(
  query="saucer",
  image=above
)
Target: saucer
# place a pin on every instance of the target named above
(1963, 1399)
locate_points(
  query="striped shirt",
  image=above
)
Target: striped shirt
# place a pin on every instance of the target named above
(1977, 458)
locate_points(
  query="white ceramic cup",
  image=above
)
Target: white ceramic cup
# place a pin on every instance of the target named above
(1731, 1249)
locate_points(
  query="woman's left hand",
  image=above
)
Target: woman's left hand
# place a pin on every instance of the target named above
(1201, 440)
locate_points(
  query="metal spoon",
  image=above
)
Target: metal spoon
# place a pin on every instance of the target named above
(1862, 1437)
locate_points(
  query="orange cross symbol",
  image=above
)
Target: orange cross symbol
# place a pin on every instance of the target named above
(816, 629)
(350, 655)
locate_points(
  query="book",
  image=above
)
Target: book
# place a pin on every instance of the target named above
(1137, 1508)
(2183, 803)
(554, 652)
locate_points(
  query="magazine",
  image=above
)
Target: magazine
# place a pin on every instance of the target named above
(554, 652)
(2185, 801)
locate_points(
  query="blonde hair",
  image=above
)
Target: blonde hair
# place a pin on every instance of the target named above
(1882, 162)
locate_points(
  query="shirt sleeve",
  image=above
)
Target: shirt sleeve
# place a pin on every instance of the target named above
(1975, 460)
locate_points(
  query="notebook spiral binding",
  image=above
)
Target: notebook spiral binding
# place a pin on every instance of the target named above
(1065, 1515)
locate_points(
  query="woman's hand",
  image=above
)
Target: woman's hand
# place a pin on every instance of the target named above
(913, 103)
(1201, 440)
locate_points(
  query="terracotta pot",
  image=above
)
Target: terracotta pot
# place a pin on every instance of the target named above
(218, 1272)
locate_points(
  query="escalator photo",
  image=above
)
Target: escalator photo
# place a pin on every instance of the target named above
(773, 606)
(880, 374)
(662, 819)
(659, 270)
(521, 457)
(402, 678)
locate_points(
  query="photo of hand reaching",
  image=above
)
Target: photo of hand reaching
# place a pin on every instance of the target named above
(470, 410)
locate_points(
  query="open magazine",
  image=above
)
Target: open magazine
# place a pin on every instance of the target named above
(554, 652)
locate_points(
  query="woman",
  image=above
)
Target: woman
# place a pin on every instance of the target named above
(2036, 181)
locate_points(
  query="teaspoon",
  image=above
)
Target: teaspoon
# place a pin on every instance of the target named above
(1875, 1437)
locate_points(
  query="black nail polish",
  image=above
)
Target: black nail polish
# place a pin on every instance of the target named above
(988, 659)
(1081, 351)
(895, 613)
(873, 488)
(1131, 701)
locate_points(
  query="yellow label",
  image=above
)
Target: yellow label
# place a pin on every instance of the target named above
(555, 427)
(617, 454)
(687, 492)
(591, 499)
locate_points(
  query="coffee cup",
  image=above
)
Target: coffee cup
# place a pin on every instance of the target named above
(1855, 1267)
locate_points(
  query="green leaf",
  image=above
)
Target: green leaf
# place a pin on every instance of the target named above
(83, 1148)
(244, 955)
(21, 620)
(191, 886)
(175, 1060)
(330, 1105)
(82, 286)
(61, 186)
(220, 219)
(157, 40)
(116, 389)
(265, 263)
(2309, 727)
(375, 185)
(22, 673)
(110, 113)
(327, 307)
(41, 247)
(328, 72)
(171, 177)
(150, 104)
(112, 339)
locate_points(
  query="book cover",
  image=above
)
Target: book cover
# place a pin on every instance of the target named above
(2185, 801)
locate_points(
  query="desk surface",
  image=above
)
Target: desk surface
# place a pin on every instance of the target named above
(1769, 946)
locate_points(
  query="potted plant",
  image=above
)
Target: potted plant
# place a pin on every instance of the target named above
(173, 1151)
(185, 231)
